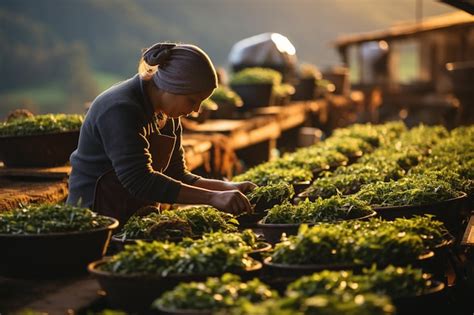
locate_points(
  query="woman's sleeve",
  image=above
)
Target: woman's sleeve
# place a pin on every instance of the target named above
(177, 167)
(123, 137)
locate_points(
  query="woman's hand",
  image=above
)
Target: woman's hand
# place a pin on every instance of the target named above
(243, 187)
(231, 201)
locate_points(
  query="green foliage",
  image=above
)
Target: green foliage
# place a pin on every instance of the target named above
(394, 282)
(245, 239)
(214, 254)
(156, 226)
(348, 146)
(283, 90)
(187, 222)
(153, 258)
(50, 218)
(350, 242)
(223, 94)
(347, 304)
(214, 294)
(267, 174)
(207, 219)
(257, 75)
(411, 190)
(41, 124)
(322, 210)
(279, 193)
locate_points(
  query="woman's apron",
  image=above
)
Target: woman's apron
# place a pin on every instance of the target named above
(112, 199)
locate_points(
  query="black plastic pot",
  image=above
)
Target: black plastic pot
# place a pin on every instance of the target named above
(450, 212)
(254, 95)
(292, 272)
(136, 293)
(305, 90)
(54, 254)
(429, 302)
(38, 150)
(439, 263)
(274, 231)
(249, 221)
(225, 110)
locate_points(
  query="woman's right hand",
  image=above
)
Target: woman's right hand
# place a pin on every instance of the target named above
(231, 201)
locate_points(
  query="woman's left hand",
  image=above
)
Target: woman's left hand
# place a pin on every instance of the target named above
(244, 187)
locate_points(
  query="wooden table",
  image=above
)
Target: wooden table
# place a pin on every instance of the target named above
(254, 138)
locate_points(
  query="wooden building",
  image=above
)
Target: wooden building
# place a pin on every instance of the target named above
(404, 70)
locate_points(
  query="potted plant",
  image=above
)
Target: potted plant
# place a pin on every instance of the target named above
(282, 93)
(346, 245)
(306, 88)
(409, 288)
(174, 225)
(140, 273)
(263, 198)
(212, 295)
(228, 102)
(39, 141)
(255, 86)
(52, 239)
(287, 218)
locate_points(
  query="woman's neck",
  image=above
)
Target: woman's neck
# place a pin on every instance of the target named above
(153, 95)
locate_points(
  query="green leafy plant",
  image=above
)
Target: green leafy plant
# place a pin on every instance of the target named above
(214, 294)
(257, 75)
(350, 242)
(322, 210)
(392, 281)
(41, 124)
(410, 190)
(223, 94)
(361, 304)
(267, 174)
(156, 226)
(207, 219)
(50, 218)
(277, 193)
(186, 222)
(162, 259)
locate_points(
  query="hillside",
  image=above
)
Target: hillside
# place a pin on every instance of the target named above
(58, 40)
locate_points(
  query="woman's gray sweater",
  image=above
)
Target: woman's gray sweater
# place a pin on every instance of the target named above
(113, 136)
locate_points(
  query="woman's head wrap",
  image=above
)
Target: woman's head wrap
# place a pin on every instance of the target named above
(182, 69)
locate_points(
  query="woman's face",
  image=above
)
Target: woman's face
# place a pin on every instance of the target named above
(177, 105)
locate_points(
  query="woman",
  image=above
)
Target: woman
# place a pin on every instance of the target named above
(130, 154)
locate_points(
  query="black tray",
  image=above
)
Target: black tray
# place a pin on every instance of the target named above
(137, 292)
(54, 254)
(44, 150)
